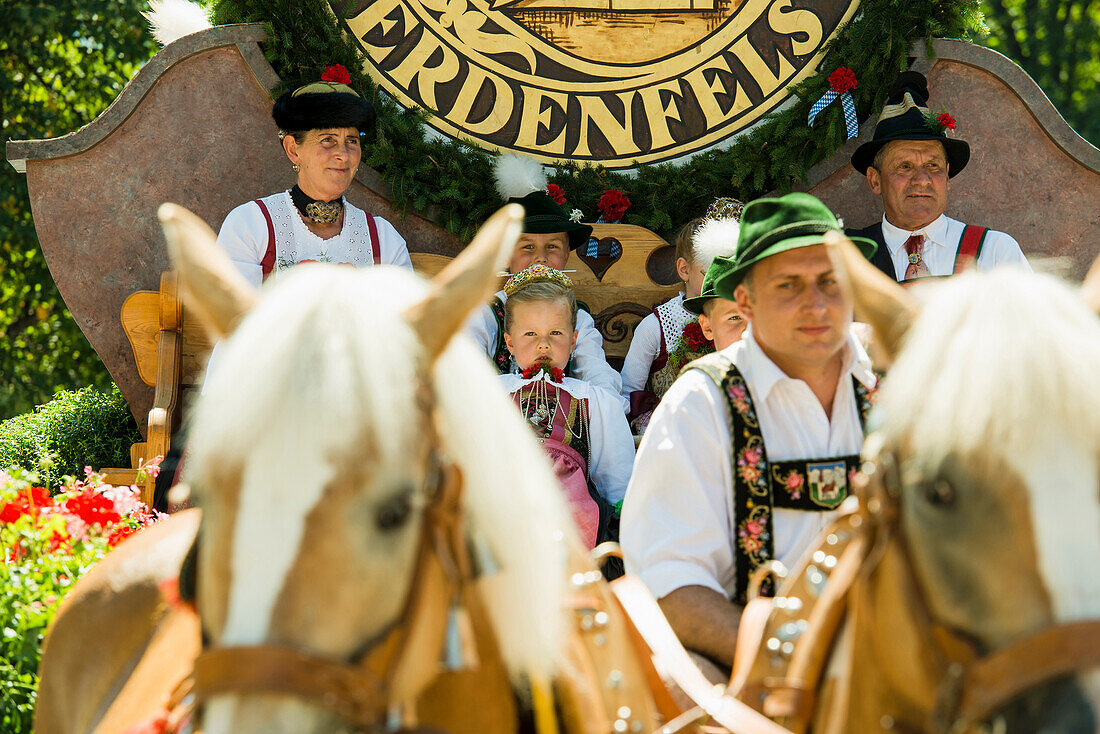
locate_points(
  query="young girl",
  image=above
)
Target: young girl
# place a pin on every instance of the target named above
(581, 425)
(667, 339)
(549, 235)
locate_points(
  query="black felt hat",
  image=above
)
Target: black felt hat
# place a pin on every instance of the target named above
(543, 215)
(906, 117)
(325, 104)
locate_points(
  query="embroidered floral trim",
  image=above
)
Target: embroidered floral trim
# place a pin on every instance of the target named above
(794, 482)
(752, 467)
(754, 536)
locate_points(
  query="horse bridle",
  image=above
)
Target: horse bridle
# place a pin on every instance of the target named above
(361, 691)
(975, 685)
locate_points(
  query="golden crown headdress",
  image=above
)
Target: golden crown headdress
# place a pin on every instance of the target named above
(536, 274)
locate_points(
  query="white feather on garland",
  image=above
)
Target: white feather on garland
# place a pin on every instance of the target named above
(716, 237)
(518, 175)
(173, 19)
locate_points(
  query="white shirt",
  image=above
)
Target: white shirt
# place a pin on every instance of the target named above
(645, 345)
(941, 242)
(610, 443)
(589, 362)
(244, 236)
(678, 519)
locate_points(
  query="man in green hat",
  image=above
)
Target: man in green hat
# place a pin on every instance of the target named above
(749, 453)
(909, 163)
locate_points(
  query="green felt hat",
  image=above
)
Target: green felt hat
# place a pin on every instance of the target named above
(542, 215)
(718, 268)
(772, 226)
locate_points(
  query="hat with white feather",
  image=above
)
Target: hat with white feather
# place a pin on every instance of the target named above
(522, 180)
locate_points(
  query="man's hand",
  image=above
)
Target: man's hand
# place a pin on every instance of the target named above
(704, 620)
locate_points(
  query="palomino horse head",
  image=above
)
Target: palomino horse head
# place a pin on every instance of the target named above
(319, 450)
(988, 448)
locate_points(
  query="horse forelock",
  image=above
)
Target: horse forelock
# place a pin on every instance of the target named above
(322, 370)
(1004, 364)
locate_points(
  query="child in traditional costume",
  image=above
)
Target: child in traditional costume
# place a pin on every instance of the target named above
(671, 336)
(548, 238)
(581, 425)
(720, 319)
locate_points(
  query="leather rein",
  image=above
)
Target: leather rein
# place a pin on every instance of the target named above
(362, 691)
(975, 685)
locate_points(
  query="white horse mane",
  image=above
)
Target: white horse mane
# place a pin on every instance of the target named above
(1006, 364)
(326, 353)
(993, 358)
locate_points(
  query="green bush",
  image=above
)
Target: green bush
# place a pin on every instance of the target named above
(78, 428)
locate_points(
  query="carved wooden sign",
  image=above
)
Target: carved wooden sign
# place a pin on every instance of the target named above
(617, 82)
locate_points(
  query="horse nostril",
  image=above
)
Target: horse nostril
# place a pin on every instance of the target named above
(940, 493)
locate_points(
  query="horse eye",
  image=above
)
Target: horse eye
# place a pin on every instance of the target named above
(394, 512)
(940, 493)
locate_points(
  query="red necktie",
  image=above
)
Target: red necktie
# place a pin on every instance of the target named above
(914, 247)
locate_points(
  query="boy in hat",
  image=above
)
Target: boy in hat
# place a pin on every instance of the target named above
(725, 476)
(548, 238)
(909, 163)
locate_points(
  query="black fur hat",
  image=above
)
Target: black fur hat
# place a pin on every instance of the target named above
(324, 104)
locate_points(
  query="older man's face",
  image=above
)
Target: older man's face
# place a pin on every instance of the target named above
(912, 182)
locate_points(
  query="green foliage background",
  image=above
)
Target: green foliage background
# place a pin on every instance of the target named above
(62, 63)
(86, 427)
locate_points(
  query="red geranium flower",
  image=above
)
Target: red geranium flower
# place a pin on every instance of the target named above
(92, 508)
(694, 338)
(613, 205)
(25, 502)
(556, 193)
(336, 73)
(947, 121)
(842, 80)
(119, 534)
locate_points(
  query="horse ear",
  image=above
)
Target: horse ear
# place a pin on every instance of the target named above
(211, 285)
(467, 282)
(879, 301)
(1090, 289)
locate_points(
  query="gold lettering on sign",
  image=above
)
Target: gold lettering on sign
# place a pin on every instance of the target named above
(514, 74)
(619, 135)
(658, 114)
(537, 111)
(504, 101)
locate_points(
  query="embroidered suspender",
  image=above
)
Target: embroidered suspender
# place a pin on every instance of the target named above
(375, 245)
(502, 358)
(760, 486)
(268, 263)
(970, 247)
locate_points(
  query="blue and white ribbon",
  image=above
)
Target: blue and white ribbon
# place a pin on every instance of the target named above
(846, 102)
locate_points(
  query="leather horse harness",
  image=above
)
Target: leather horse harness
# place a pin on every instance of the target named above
(784, 643)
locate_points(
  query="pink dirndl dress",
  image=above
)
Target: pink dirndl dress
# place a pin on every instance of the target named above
(561, 423)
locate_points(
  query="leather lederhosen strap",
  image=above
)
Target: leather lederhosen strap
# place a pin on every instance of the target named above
(760, 486)
(502, 358)
(970, 247)
(268, 263)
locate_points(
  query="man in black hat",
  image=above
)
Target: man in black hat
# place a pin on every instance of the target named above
(748, 454)
(909, 164)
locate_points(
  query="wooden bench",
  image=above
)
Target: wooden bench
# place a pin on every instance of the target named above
(170, 346)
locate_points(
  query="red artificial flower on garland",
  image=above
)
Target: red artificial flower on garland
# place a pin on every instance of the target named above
(691, 345)
(613, 205)
(842, 80)
(337, 74)
(556, 193)
(556, 374)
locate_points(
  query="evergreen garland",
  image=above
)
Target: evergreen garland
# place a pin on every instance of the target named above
(452, 182)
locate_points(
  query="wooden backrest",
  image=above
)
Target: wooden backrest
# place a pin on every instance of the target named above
(618, 291)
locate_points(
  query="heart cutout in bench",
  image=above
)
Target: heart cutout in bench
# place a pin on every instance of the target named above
(600, 254)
